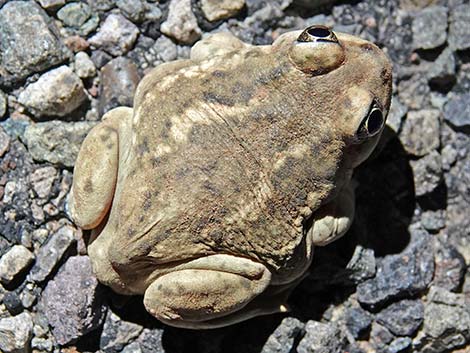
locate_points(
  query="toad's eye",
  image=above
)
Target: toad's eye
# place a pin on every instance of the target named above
(317, 33)
(371, 125)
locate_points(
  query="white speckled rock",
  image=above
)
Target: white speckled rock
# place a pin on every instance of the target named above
(181, 23)
(56, 93)
(219, 9)
(16, 333)
(15, 261)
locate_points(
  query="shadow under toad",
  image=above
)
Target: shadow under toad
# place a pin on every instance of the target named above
(385, 204)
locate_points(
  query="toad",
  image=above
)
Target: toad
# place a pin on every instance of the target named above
(210, 194)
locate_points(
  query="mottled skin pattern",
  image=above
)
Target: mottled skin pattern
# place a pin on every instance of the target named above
(209, 195)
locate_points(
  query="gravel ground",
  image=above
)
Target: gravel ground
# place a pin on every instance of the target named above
(397, 282)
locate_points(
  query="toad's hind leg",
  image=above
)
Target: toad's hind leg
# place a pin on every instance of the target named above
(95, 172)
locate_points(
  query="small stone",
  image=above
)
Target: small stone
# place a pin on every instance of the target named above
(42, 345)
(380, 336)
(427, 173)
(442, 71)
(29, 42)
(215, 10)
(282, 339)
(397, 112)
(430, 27)
(450, 267)
(133, 347)
(433, 221)
(119, 79)
(402, 318)
(116, 36)
(42, 180)
(457, 111)
(459, 30)
(74, 14)
(322, 338)
(400, 275)
(84, 66)
(134, 10)
(150, 341)
(56, 93)
(73, 301)
(76, 43)
(414, 92)
(56, 141)
(446, 321)
(449, 157)
(16, 333)
(362, 264)
(4, 142)
(165, 49)
(420, 132)
(13, 303)
(357, 321)
(100, 58)
(181, 23)
(14, 262)
(51, 253)
(117, 333)
(3, 104)
(399, 345)
(51, 4)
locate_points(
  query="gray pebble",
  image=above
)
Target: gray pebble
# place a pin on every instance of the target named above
(399, 345)
(84, 66)
(117, 333)
(51, 4)
(73, 301)
(3, 104)
(14, 262)
(119, 79)
(402, 318)
(459, 29)
(134, 10)
(427, 173)
(55, 141)
(74, 14)
(430, 27)
(51, 253)
(322, 338)
(450, 267)
(215, 10)
(457, 111)
(42, 179)
(433, 220)
(442, 70)
(420, 132)
(282, 339)
(357, 321)
(116, 36)
(29, 41)
(56, 93)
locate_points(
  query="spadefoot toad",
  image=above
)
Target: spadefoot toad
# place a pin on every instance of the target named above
(209, 196)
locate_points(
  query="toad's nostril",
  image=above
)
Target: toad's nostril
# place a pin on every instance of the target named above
(318, 31)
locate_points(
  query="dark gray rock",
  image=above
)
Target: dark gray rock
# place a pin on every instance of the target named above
(414, 91)
(56, 141)
(459, 30)
(56, 93)
(150, 341)
(29, 42)
(181, 23)
(282, 339)
(446, 321)
(134, 10)
(117, 333)
(73, 301)
(74, 14)
(402, 318)
(420, 132)
(14, 262)
(427, 173)
(397, 112)
(400, 275)
(457, 111)
(12, 302)
(116, 36)
(100, 58)
(399, 345)
(119, 79)
(51, 253)
(430, 27)
(357, 321)
(362, 264)
(16, 333)
(165, 49)
(450, 267)
(322, 338)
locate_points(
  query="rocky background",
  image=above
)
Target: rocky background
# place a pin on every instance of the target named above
(397, 282)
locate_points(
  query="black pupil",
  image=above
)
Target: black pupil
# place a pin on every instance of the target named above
(319, 32)
(374, 123)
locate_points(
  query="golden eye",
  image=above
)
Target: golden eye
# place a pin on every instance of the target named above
(372, 124)
(317, 33)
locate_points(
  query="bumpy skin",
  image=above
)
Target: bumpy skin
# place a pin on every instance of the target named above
(210, 194)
